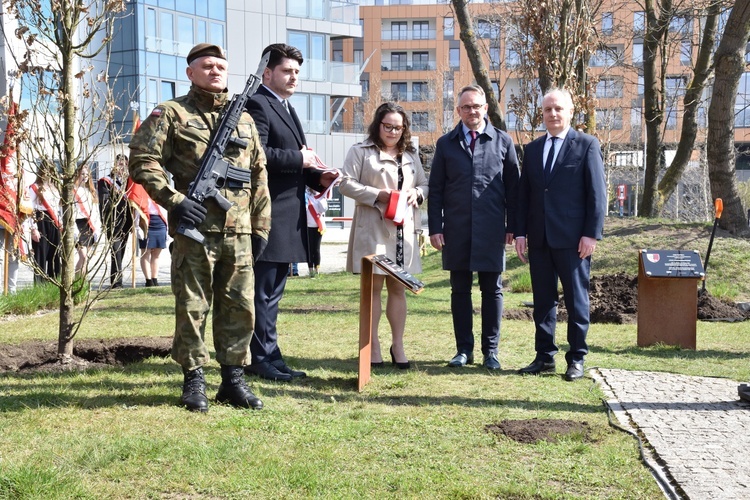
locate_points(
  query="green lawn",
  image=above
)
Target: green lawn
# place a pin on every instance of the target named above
(118, 432)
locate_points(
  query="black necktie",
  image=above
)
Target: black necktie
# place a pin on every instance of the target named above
(473, 134)
(550, 157)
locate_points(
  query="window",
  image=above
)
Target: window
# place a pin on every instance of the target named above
(670, 118)
(420, 91)
(681, 25)
(398, 91)
(487, 29)
(637, 53)
(313, 49)
(454, 58)
(167, 91)
(608, 88)
(448, 89)
(337, 55)
(399, 30)
(420, 121)
(421, 30)
(365, 84)
(513, 58)
(635, 124)
(609, 119)
(606, 56)
(639, 23)
(675, 86)
(420, 61)
(607, 23)
(742, 102)
(447, 27)
(494, 57)
(686, 52)
(398, 61)
(312, 112)
(359, 57)
(641, 86)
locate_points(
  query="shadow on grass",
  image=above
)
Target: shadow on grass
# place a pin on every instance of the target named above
(152, 383)
(671, 352)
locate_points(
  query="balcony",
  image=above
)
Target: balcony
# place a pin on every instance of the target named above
(320, 70)
(337, 11)
(387, 35)
(414, 66)
(408, 96)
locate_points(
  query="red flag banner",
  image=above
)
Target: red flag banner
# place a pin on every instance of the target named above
(139, 201)
(8, 175)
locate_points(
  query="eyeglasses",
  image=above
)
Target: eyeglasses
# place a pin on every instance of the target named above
(467, 108)
(392, 128)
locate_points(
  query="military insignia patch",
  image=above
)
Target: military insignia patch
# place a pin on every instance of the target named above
(156, 112)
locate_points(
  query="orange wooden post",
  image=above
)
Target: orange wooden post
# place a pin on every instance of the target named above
(365, 322)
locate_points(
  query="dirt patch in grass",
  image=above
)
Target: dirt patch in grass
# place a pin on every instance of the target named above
(87, 353)
(535, 429)
(614, 299)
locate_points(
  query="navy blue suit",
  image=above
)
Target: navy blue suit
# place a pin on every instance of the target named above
(554, 213)
(282, 137)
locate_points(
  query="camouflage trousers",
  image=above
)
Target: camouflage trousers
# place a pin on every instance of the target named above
(221, 271)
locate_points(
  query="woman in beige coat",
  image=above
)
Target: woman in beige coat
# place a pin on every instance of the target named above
(385, 162)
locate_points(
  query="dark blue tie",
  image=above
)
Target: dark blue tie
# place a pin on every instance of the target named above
(550, 158)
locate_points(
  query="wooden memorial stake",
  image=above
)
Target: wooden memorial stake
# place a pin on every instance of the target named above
(365, 306)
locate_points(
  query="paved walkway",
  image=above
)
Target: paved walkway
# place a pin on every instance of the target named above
(698, 428)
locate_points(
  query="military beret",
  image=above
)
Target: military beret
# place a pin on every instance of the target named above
(203, 50)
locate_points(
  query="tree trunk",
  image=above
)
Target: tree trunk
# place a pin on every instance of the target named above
(691, 101)
(653, 103)
(469, 39)
(729, 64)
(67, 306)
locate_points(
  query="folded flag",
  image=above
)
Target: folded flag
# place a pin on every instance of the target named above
(397, 207)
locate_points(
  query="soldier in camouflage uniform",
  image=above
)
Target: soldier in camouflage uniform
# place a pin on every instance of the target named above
(174, 139)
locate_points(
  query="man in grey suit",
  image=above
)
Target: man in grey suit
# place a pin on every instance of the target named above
(472, 214)
(290, 166)
(561, 204)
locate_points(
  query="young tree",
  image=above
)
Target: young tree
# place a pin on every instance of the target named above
(72, 111)
(730, 65)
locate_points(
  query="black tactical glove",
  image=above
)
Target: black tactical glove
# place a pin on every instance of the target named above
(259, 244)
(190, 211)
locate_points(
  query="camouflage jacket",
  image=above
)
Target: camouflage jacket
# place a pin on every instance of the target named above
(174, 138)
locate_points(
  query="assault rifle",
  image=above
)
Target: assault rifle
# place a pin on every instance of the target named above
(215, 173)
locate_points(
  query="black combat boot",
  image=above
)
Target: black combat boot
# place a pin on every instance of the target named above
(234, 390)
(194, 390)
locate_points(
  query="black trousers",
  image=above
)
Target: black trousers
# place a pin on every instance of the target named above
(270, 280)
(47, 249)
(314, 239)
(490, 285)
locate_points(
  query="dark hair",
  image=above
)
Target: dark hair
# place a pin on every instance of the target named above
(373, 131)
(281, 51)
(121, 157)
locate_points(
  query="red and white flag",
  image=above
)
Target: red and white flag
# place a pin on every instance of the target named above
(14, 197)
(397, 207)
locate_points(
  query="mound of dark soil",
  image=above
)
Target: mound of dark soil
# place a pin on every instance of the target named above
(535, 430)
(614, 299)
(87, 353)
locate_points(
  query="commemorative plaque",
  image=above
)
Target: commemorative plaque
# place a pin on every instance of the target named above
(668, 297)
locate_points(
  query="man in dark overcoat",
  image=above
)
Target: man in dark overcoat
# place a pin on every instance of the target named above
(472, 213)
(291, 167)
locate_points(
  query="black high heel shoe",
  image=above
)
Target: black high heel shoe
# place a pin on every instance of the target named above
(400, 366)
(377, 365)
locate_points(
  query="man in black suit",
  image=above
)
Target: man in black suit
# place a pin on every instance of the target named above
(291, 167)
(561, 204)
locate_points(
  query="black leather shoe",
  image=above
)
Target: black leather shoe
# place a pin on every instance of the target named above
(461, 359)
(574, 371)
(194, 391)
(536, 367)
(267, 371)
(491, 362)
(283, 368)
(234, 390)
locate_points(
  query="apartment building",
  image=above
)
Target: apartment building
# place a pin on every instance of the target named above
(417, 58)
